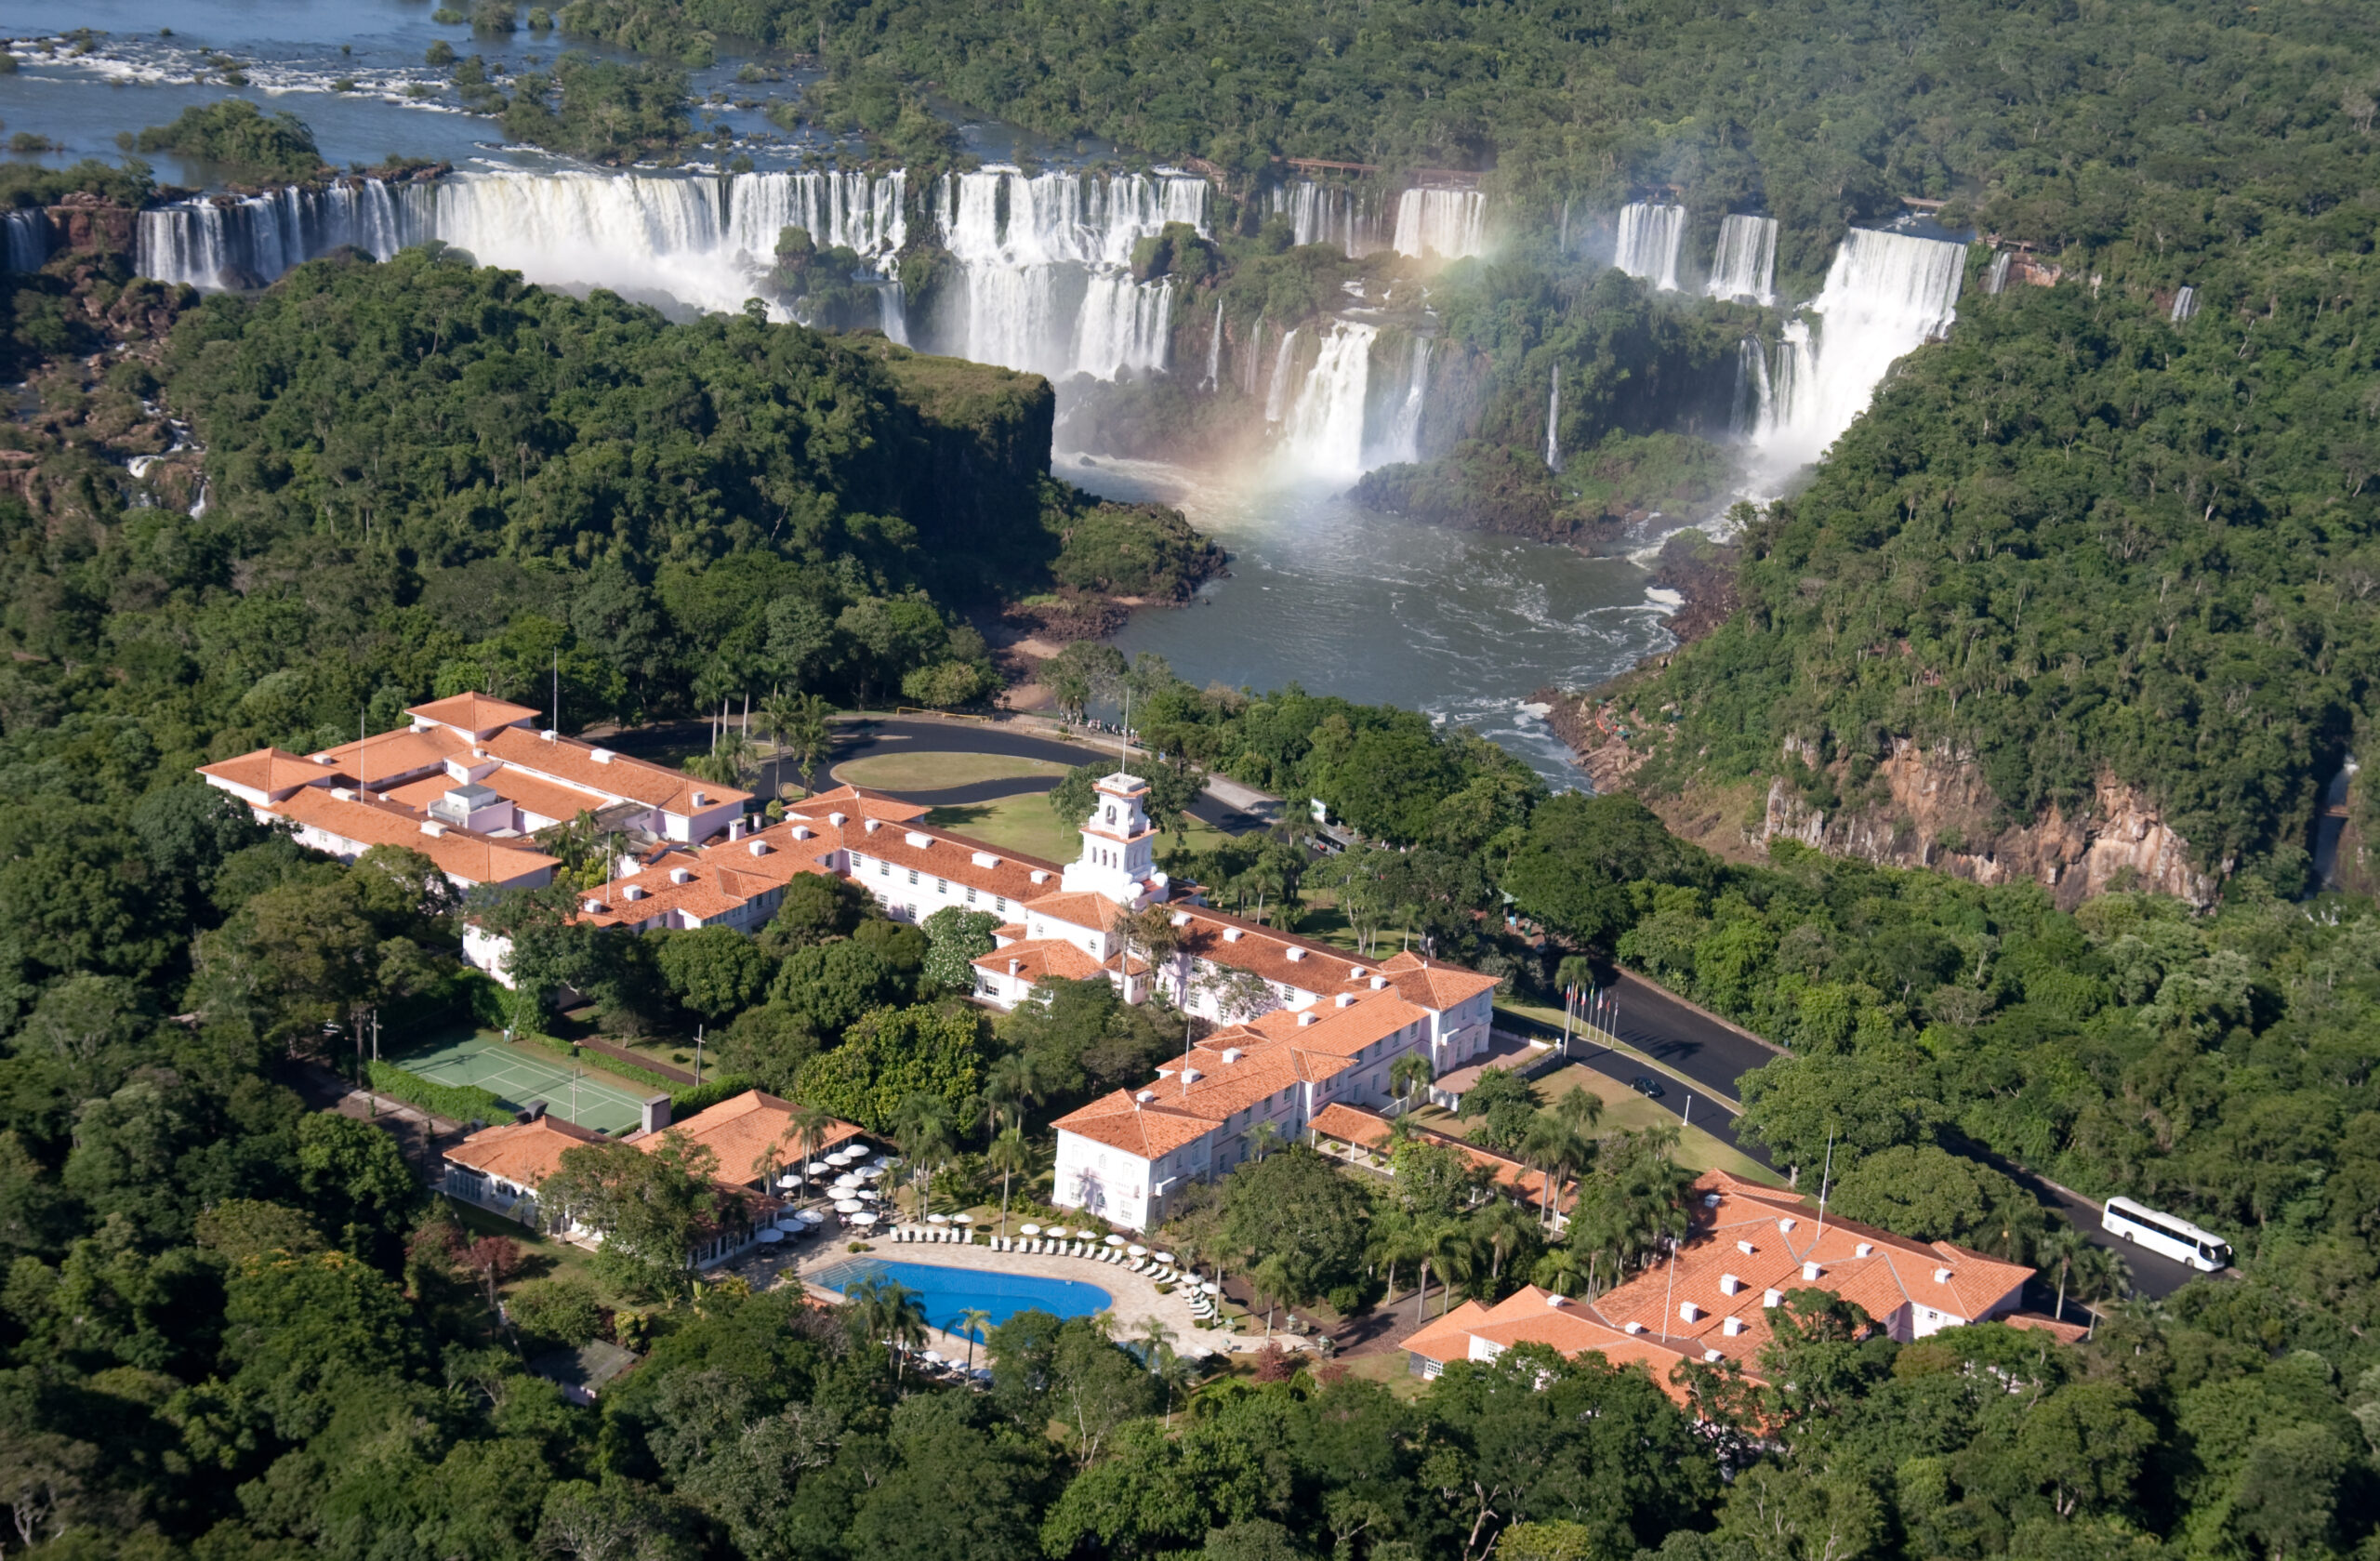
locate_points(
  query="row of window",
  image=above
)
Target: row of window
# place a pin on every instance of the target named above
(941, 885)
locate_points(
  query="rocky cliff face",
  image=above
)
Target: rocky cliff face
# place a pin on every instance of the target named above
(1937, 813)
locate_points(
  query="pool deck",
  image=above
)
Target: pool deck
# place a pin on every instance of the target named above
(1135, 1294)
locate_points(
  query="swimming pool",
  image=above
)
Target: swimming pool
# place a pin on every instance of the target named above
(947, 1292)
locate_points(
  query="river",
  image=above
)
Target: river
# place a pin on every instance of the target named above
(1460, 626)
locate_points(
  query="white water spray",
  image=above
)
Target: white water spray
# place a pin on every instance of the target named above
(1215, 349)
(1403, 441)
(1745, 263)
(1277, 394)
(1324, 436)
(1449, 224)
(1885, 295)
(1649, 236)
(1330, 214)
(1554, 422)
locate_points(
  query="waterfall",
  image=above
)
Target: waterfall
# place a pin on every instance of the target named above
(2184, 303)
(1554, 422)
(1276, 395)
(1995, 279)
(1562, 238)
(1329, 214)
(700, 239)
(1403, 443)
(1885, 294)
(1043, 261)
(1215, 349)
(1324, 436)
(28, 238)
(1745, 263)
(256, 238)
(892, 312)
(1649, 236)
(1447, 223)
(1752, 413)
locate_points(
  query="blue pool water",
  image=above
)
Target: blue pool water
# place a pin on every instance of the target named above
(946, 1292)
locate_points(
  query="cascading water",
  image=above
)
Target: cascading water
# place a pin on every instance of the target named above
(28, 239)
(702, 240)
(1745, 263)
(1995, 276)
(1324, 434)
(1044, 264)
(1553, 423)
(1449, 224)
(1751, 412)
(1276, 395)
(1649, 236)
(1885, 296)
(2185, 305)
(1215, 349)
(1402, 441)
(1329, 214)
(223, 241)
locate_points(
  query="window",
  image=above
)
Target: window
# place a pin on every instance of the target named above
(970, 894)
(884, 870)
(1000, 904)
(913, 875)
(941, 886)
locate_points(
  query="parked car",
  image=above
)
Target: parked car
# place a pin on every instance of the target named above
(1646, 1085)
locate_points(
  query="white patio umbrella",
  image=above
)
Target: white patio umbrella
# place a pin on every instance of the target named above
(772, 1234)
(811, 1217)
(1056, 1233)
(849, 1205)
(1136, 1251)
(1028, 1230)
(791, 1219)
(1162, 1257)
(818, 1168)
(938, 1219)
(863, 1218)
(962, 1219)
(1114, 1240)
(789, 1180)
(1211, 1288)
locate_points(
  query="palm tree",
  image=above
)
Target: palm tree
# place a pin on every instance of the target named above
(1557, 1268)
(1580, 1109)
(1410, 1075)
(1261, 1138)
(807, 737)
(1550, 1145)
(1152, 931)
(1575, 974)
(1014, 1082)
(2061, 1244)
(1011, 1156)
(970, 1321)
(2099, 1275)
(1501, 1227)
(889, 1313)
(923, 1128)
(1271, 1278)
(811, 1125)
(1395, 1238)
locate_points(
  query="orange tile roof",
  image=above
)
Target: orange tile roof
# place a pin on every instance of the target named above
(522, 1153)
(1531, 1315)
(751, 1133)
(270, 769)
(457, 853)
(1368, 1021)
(385, 754)
(2064, 1332)
(568, 760)
(1318, 968)
(1434, 985)
(472, 712)
(1892, 1272)
(1041, 957)
(945, 855)
(1078, 907)
(860, 803)
(1150, 1129)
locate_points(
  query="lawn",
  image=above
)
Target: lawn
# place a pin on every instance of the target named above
(1027, 826)
(937, 771)
(1623, 1110)
(547, 1257)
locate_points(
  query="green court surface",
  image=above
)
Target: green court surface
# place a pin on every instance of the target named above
(517, 1075)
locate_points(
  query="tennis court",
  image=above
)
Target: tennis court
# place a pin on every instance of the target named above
(517, 1075)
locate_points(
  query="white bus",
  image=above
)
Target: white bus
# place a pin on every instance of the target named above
(2167, 1234)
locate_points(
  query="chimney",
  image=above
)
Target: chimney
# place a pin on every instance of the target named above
(1296, 954)
(1942, 1276)
(433, 830)
(601, 756)
(1810, 1272)
(655, 1114)
(1786, 1225)
(1557, 1300)
(837, 819)
(1016, 965)
(871, 825)
(592, 907)
(1039, 877)
(1746, 1247)
(698, 797)
(632, 890)
(922, 841)
(1865, 1250)
(1305, 1018)
(983, 859)
(1772, 1298)
(681, 875)
(1729, 1284)
(1732, 1326)
(548, 735)
(1231, 1056)
(1688, 1311)
(801, 831)
(758, 848)
(1346, 999)
(734, 830)
(1231, 934)
(1379, 982)
(1191, 1075)
(1634, 1326)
